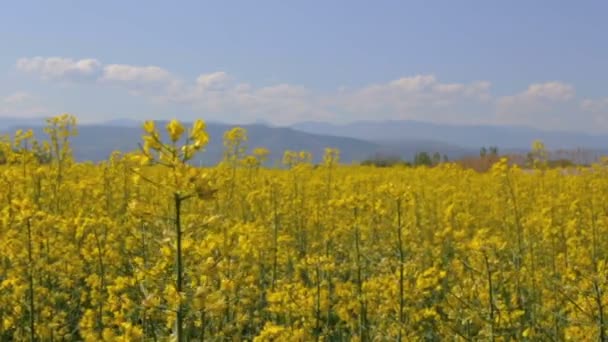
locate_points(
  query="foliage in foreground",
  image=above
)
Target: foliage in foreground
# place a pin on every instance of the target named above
(126, 249)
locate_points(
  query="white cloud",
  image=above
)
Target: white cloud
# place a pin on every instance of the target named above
(420, 97)
(415, 83)
(221, 96)
(57, 68)
(598, 110)
(552, 91)
(21, 104)
(216, 95)
(597, 105)
(538, 97)
(138, 80)
(549, 104)
(152, 81)
(406, 97)
(136, 74)
(213, 81)
(17, 98)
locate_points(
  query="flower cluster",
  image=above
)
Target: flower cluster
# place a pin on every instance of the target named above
(146, 246)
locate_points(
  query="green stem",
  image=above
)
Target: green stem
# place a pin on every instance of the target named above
(401, 269)
(179, 267)
(31, 282)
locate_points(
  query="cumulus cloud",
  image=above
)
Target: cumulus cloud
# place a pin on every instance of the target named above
(214, 81)
(416, 97)
(136, 74)
(92, 70)
(552, 91)
(549, 103)
(598, 109)
(152, 81)
(595, 105)
(538, 97)
(413, 84)
(21, 104)
(402, 98)
(17, 98)
(57, 68)
(425, 97)
(218, 94)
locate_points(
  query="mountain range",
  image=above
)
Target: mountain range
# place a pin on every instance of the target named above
(466, 136)
(356, 141)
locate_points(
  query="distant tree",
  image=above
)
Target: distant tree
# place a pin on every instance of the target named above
(493, 151)
(560, 163)
(423, 159)
(487, 157)
(483, 152)
(436, 158)
(380, 160)
(445, 158)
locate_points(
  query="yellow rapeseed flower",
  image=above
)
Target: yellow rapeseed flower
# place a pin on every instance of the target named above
(175, 130)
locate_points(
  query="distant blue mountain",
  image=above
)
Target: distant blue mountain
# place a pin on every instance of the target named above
(356, 141)
(96, 142)
(8, 122)
(467, 136)
(123, 123)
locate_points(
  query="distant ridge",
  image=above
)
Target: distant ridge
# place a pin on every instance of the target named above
(9, 122)
(357, 141)
(122, 123)
(95, 142)
(467, 136)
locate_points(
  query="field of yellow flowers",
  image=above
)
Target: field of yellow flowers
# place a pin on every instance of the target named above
(145, 247)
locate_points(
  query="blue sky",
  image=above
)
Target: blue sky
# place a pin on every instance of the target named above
(537, 63)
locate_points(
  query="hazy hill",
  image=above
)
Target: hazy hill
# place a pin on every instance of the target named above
(356, 141)
(96, 142)
(470, 136)
(7, 123)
